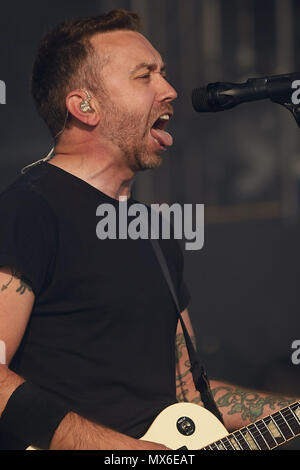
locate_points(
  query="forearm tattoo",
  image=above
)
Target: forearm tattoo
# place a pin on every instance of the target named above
(183, 372)
(181, 390)
(22, 288)
(250, 405)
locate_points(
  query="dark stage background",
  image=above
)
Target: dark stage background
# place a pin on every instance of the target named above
(244, 165)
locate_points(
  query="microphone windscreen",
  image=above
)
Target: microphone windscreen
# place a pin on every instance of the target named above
(200, 100)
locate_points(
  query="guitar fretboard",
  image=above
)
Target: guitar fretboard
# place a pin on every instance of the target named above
(265, 434)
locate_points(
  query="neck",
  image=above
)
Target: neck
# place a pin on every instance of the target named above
(101, 166)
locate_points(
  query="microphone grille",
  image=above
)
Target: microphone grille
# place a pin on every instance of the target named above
(200, 100)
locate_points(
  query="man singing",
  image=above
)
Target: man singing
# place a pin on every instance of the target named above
(89, 325)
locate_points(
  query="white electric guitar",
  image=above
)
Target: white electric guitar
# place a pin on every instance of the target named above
(186, 425)
(189, 426)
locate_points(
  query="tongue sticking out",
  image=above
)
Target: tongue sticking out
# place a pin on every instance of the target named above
(163, 137)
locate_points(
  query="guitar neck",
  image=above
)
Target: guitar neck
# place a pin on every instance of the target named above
(265, 434)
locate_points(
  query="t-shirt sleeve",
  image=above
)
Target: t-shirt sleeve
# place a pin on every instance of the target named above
(27, 236)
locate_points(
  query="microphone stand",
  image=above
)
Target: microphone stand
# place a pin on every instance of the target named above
(285, 100)
(293, 108)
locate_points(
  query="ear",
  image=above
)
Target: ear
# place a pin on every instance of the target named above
(74, 100)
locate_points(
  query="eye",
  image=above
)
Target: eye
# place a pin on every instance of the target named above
(145, 76)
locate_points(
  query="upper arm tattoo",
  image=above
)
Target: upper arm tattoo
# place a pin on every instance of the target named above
(5, 286)
(22, 288)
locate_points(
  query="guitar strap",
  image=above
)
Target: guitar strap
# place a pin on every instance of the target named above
(198, 372)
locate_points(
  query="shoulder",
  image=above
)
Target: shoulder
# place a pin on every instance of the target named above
(25, 213)
(24, 197)
(28, 235)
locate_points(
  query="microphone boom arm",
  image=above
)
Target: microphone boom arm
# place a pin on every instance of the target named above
(221, 96)
(293, 108)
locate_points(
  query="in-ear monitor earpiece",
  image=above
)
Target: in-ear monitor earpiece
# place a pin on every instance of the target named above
(85, 104)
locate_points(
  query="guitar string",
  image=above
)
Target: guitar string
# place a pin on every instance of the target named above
(279, 420)
(242, 439)
(261, 435)
(266, 431)
(257, 433)
(254, 434)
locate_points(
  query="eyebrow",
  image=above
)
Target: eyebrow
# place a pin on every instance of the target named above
(150, 67)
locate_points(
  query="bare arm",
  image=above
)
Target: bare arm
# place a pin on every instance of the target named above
(185, 389)
(74, 432)
(238, 405)
(77, 433)
(16, 301)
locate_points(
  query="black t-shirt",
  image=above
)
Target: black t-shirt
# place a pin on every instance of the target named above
(102, 331)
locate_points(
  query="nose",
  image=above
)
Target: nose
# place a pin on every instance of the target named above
(166, 92)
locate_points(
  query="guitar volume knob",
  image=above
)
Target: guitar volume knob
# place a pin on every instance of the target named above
(185, 426)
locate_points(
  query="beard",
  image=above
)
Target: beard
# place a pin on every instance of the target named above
(126, 130)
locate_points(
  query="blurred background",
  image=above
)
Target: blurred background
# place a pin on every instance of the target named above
(243, 164)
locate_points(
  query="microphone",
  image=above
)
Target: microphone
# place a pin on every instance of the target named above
(220, 96)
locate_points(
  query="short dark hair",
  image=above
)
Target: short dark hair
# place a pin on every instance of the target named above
(66, 60)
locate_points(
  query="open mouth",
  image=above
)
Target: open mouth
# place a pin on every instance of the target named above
(158, 132)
